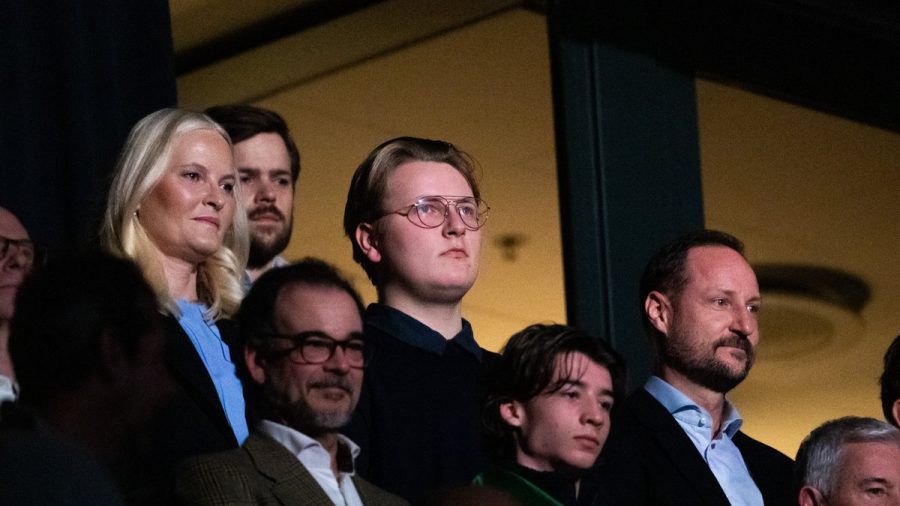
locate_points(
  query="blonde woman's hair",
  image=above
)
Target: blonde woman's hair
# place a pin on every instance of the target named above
(143, 162)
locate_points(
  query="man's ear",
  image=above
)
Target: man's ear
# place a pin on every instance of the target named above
(512, 413)
(658, 309)
(810, 496)
(896, 412)
(367, 240)
(255, 363)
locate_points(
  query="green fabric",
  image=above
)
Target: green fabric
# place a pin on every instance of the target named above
(519, 488)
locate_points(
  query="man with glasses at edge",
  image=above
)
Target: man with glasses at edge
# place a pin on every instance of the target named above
(304, 355)
(16, 260)
(414, 217)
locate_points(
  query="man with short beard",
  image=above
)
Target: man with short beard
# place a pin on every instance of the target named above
(268, 164)
(677, 440)
(304, 355)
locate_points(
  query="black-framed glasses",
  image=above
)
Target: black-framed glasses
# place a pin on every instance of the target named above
(316, 347)
(431, 211)
(24, 248)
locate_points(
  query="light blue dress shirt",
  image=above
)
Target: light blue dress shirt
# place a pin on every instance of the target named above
(721, 455)
(216, 357)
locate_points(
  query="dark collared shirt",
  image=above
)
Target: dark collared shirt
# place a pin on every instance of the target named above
(419, 417)
(407, 329)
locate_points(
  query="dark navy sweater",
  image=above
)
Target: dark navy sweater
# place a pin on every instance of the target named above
(419, 417)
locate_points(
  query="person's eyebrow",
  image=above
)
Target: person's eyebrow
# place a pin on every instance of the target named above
(874, 480)
(195, 165)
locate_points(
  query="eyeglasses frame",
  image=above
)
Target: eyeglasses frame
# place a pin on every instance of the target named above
(298, 340)
(447, 201)
(6, 245)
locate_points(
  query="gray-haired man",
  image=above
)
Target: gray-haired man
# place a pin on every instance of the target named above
(850, 461)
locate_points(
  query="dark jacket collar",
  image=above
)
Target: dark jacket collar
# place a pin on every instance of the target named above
(188, 369)
(415, 333)
(676, 444)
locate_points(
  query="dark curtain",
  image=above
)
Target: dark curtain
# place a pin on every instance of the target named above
(76, 75)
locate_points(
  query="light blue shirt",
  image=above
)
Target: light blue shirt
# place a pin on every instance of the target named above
(721, 455)
(216, 357)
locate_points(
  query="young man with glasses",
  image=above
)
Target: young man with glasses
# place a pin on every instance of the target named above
(16, 260)
(414, 216)
(304, 357)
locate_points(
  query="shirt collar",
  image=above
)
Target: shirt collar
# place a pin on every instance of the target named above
(415, 333)
(246, 283)
(732, 421)
(682, 407)
(297, 443)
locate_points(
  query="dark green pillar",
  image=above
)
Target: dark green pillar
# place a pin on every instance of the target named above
(629, 177)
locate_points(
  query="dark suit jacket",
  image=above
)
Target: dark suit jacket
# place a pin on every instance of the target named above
(196, 422)
(648, 459)
(193, 422)
(260, 472)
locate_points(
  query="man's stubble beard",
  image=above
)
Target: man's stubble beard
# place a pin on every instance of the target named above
(314, 423)
(299, 415)
(262, 251)
(701, 366)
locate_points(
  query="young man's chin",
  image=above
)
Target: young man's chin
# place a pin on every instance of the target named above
(449, 292)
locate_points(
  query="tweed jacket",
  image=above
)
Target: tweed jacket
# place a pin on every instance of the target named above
(261, 472)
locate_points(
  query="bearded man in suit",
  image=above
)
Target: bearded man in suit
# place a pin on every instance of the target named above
(304, 356)
(677, 440)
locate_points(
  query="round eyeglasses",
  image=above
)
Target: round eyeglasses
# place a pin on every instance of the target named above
(317, 348)
(22, 250)
(433, 210)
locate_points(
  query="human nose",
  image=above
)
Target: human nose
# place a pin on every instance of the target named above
(214, 197)
(744, 321)
(453, 223)
(265, 191)
(338, 362)
(593, 414)
(15, 258)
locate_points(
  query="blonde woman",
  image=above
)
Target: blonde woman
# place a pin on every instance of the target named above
(172, 209)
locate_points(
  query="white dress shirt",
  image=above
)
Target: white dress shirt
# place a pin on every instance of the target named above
(8, 389)
(340, 489)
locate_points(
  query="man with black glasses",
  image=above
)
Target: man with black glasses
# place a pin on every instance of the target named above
(16, 259)
(304, 357)
(414, 216)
